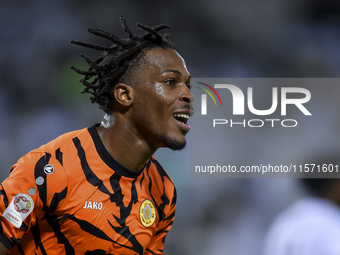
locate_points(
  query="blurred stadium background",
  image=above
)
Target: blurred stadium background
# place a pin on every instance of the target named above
(40, 96)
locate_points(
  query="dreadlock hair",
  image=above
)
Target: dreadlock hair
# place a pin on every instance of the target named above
(118, 60)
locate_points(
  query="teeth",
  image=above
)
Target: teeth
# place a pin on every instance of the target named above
(182, 115)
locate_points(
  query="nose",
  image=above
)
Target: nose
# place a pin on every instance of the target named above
(186, 95)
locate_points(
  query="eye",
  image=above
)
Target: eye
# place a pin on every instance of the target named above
(188, 86)
(171, 82)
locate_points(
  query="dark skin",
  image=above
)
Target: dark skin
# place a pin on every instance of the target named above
(143, 113)
(3, 249)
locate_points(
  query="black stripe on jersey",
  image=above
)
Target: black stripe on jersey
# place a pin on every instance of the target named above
(91, 177)
(153, 252)
(161, 170)
(37, 239)
(117, 198)
(147, 165)
(124, 211)
(3, 193)
(57, 198)
(174, 198)
(164, 197)
(165, 201)
(170, 217)
(124, 231)
(21, 250)
(93, 230)
(5, 240)
(150, 187)
(15, 241)
(54, 223)
(97, 252)
(39, 172)
(134, 195)
(59, 156)
(23, 227)
(164, 229)
(141, 182)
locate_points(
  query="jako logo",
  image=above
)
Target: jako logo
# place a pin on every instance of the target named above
(204, 97)
(238, 99)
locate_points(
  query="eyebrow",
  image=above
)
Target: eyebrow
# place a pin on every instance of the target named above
(176, 71)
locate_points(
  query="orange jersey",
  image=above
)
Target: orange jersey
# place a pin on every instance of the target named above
(71, 197)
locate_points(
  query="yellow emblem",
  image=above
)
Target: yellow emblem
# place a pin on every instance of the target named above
(28, 205)
(147, 213)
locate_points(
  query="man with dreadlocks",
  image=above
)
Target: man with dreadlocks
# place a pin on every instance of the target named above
(99, 190)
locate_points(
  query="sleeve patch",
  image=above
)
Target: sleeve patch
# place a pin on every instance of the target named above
(19, 208)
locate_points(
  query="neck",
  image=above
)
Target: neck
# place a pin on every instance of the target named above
(124, 144)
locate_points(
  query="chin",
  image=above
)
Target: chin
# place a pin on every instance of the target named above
(173, 144)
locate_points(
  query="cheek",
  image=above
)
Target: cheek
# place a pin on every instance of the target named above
(157, 101)
(159, 90)
(164, 95)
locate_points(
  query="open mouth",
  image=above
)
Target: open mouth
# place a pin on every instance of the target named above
(182, 117)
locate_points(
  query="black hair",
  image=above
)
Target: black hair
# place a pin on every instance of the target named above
(118, 60)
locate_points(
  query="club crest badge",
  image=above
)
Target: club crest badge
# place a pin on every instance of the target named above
(19, 208)
(147, 213)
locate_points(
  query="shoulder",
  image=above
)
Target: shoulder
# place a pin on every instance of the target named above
(161, 181)
(160, 170)
(62, 141)
(158, 173)
(45, 161)
(162, 190)
(55, 149)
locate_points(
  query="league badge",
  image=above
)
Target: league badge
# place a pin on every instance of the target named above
(19, 208)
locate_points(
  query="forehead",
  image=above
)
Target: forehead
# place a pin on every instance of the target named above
(160, 60)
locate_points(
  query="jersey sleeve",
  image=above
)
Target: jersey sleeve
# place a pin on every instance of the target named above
(156, 245)
(36, 186)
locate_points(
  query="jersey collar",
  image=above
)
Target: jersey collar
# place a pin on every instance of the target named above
(107, 158)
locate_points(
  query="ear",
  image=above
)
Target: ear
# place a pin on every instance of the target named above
(123, 94)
